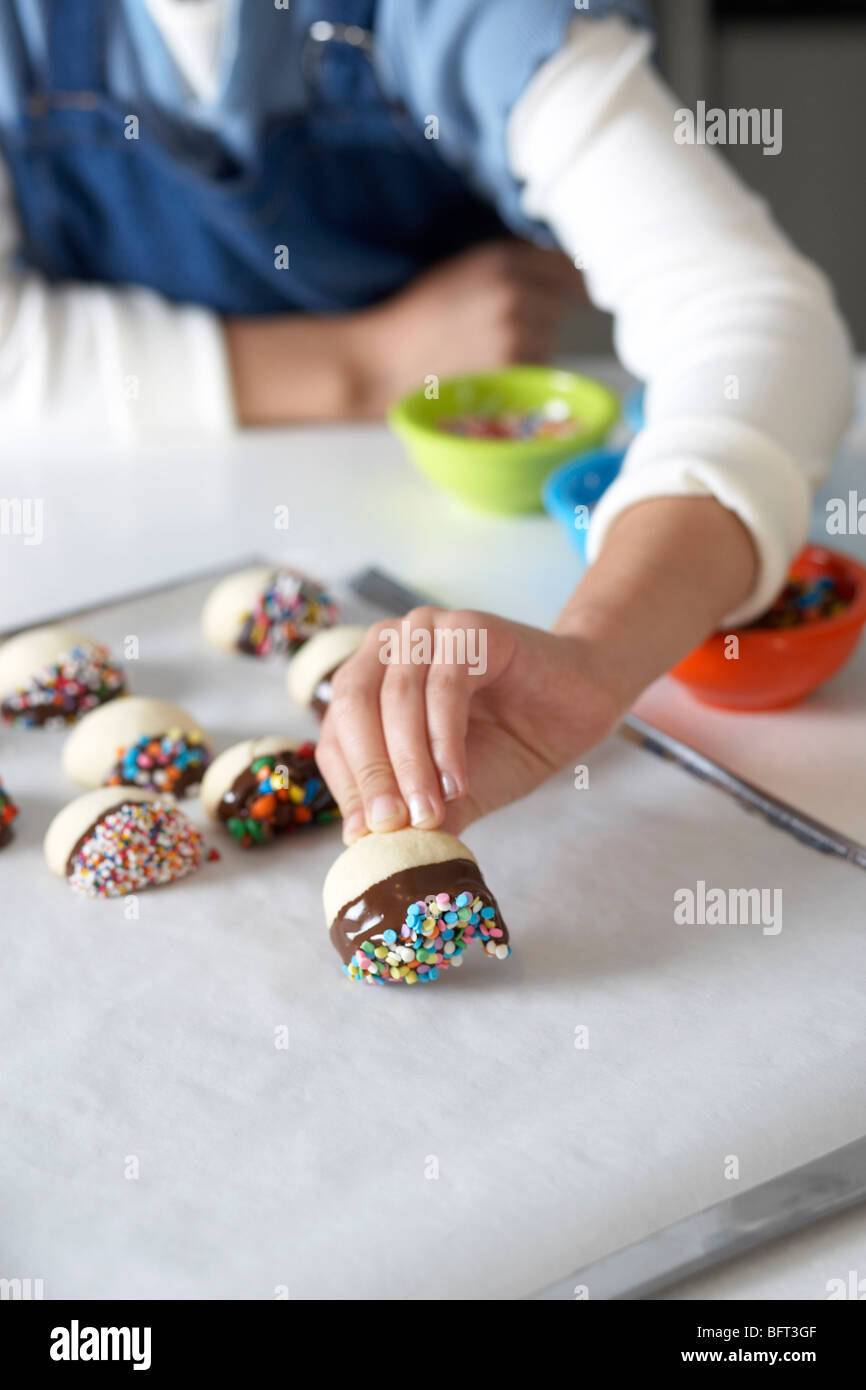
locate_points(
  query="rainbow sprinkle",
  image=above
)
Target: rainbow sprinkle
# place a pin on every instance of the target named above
(552, 421)
(140, 845)
(433, 937)
(174, 762)
(8, 812)
(60, 692)
(289, 612)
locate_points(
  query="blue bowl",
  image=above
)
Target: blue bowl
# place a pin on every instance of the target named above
(570, 493)
(632, 408)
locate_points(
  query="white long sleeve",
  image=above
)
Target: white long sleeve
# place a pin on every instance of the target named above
(747, 361)
(122, 362)
(193, 31)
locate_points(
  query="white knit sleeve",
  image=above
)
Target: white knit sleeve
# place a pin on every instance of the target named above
(748, 364)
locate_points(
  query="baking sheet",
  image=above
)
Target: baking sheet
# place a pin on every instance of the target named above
(827, 782)
(452, 1142)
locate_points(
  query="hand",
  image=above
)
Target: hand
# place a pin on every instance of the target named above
(497, 304)
(434, 744)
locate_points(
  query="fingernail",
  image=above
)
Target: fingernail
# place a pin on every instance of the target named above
(354, 827)
(450, 789)
(384, 810)
(421, 809)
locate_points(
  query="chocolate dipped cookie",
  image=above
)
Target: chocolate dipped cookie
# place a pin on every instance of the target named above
(265, 788)
(51, 676)
(119, 840)
(265, 611)
(405, 906)
(310, 672)
(139, 742)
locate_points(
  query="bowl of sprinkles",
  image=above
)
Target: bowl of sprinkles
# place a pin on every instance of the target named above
(493, 438)
(802, 640)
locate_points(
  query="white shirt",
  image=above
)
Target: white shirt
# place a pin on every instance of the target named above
(749, 410)
(192, 30)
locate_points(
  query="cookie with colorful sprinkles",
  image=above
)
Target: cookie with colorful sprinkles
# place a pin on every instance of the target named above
(265, 611)
(119, 840)
(265, 788)
(51, 676)
(139, 741)
(8, 812)
(403, 908)
(310, 672)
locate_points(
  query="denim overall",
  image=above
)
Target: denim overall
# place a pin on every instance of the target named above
(346, 182)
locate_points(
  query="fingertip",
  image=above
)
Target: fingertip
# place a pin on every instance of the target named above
(451, 787)
(354, 827)
(386, 813)
(424, 813)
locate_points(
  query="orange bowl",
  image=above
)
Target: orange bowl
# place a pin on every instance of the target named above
(777, 667)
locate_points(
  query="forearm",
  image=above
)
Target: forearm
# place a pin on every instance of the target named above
(301, 368)
(669, 571)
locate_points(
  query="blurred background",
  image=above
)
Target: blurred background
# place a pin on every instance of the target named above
(807, 57)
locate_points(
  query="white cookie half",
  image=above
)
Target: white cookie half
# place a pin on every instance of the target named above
(224, 770)
(91, 750)
(319, 656)
(228, 606)
(376, 857)
(86, 811)
(23, 656)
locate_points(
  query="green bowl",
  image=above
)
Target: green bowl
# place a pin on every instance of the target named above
(501, 475)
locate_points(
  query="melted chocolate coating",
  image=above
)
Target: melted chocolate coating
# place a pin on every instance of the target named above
(245, 789)
(5, 835)
(383, 906)
(41, 715)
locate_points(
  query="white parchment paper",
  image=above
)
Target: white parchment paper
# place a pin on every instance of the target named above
(451, 1141)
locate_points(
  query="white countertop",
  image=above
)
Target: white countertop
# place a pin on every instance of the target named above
(116, 523)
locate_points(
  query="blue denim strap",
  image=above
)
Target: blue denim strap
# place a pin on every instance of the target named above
(76, 45)
(340, 34)
(357, 12)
